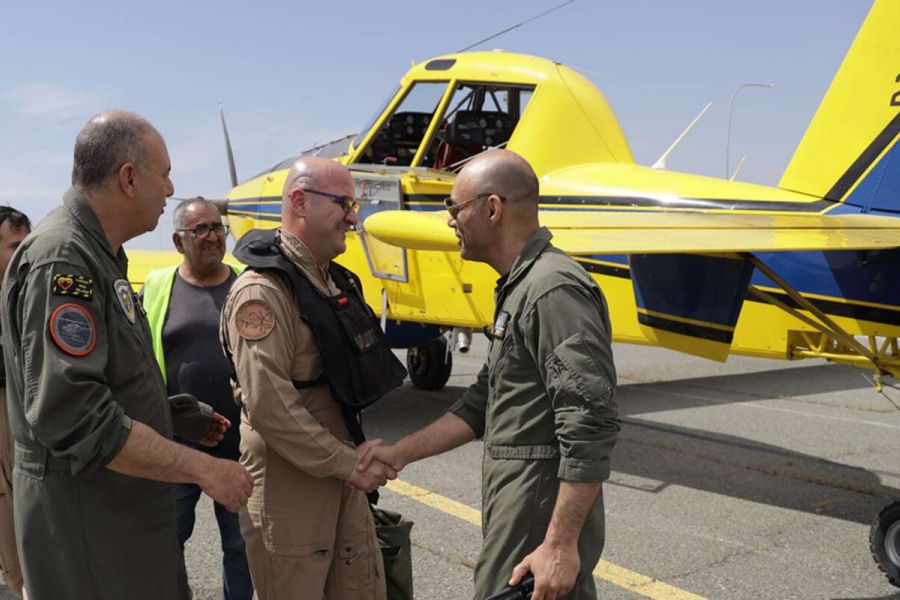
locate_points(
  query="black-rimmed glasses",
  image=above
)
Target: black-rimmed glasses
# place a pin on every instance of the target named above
(202, 230)
(347, 203)
(454, 209)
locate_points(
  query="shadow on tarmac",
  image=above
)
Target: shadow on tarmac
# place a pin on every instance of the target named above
(891, 597)
(678, 455)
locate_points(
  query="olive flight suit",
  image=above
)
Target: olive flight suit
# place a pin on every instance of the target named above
(543, 402)
(80, 367)
(308, 534)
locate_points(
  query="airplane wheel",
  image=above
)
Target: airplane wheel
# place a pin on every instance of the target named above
(429, 366)
(884, 541)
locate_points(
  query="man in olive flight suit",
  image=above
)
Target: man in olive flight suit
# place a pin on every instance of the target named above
(95, 516)
(543, 402)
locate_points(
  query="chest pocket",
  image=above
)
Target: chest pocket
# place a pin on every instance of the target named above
(356, 323)
(129, 343)
(519, 418)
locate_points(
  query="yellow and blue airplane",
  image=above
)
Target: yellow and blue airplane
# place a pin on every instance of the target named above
(712, 267)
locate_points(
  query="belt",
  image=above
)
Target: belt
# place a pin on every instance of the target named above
(535, 452)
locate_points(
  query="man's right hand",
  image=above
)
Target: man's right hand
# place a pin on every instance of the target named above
(228, 483)
(389, 455)
(375, 473)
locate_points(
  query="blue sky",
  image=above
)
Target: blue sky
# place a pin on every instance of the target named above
(293, 74)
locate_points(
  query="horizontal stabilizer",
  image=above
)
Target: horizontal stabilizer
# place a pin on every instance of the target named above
(594, 232)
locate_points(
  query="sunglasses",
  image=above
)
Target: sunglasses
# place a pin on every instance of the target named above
(348, 203)
(454, 209)
(202, 230)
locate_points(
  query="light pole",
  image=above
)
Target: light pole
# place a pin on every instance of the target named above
(728, 130)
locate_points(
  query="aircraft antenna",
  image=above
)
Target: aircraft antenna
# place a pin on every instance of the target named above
(738, 168)
(661, 162)
(231, 168)
(508, 29)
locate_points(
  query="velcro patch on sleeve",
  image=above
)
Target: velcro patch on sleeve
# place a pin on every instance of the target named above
(68, 284)
(72, 329)
(255, 320)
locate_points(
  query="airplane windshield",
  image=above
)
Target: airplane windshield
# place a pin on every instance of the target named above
(362, 133)
(479, 116)
(399, 138)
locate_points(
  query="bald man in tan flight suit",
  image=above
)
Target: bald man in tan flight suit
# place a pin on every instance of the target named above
(308, 533)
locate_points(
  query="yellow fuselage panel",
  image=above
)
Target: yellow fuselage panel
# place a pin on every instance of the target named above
(666, 189)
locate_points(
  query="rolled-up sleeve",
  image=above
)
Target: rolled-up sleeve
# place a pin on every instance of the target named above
(471, 407)
(67, 399)
(276, 409)
(570, 341)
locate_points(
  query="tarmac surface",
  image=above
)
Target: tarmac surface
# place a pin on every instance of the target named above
(744, 480)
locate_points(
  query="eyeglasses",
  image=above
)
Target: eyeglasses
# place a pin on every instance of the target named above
(454, 209)
(348, 203)
(202, 230)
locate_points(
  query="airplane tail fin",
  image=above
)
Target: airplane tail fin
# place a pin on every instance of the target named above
(850, 152)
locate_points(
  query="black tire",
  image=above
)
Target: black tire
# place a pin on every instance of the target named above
(430, 365)
(884, 542)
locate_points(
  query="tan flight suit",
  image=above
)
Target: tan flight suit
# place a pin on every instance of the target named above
(308, 534)
(9, 556)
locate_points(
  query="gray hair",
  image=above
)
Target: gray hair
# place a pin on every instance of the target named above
(181, 208)
(105, 143)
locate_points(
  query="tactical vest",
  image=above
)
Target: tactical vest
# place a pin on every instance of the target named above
(359, 365)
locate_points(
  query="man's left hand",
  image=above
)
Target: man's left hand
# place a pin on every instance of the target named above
(215, 433)
(555, 570)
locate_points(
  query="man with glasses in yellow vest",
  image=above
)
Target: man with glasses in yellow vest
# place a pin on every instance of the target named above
(183, 304)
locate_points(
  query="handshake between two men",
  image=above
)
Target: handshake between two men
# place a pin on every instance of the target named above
(376, 464)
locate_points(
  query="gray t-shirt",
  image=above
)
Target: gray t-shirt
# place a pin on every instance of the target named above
(195, 362)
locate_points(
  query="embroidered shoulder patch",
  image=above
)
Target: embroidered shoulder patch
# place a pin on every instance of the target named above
(72, 329)
(255, 320)
(68, 284)
(125, 296)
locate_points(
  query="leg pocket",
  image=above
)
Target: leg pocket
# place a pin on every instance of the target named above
(357, 572)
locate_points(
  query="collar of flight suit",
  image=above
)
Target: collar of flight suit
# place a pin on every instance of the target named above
(297, 252)
(77, 204)
(533, 248)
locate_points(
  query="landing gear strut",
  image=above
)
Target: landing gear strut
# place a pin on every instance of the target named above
(429, 366)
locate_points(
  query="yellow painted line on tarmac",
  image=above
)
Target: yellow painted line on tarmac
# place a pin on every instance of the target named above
(614, 574)
(442, 503)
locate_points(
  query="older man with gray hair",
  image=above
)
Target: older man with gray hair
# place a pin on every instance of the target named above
(88, 408)
(184, 304)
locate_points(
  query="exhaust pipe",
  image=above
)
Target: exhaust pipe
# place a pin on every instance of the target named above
(462, 339)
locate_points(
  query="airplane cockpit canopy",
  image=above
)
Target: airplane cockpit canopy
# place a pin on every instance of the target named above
(475, 117)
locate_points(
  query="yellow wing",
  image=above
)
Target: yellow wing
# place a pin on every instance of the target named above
(584, 233)
(141, 262)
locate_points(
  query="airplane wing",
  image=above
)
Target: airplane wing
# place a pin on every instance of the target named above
(141, 262)
(688, 278)
(592, 232)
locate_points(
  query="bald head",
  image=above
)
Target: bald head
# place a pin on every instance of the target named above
(105, 143)
(495, 208)
(506, 174)
(310, 172)
(317, 206)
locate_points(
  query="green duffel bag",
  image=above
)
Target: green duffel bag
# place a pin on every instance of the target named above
(393, 537)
